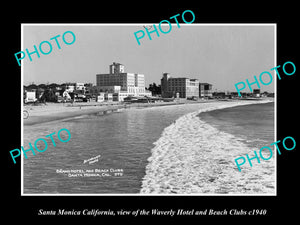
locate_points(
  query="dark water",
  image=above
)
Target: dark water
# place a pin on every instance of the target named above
(254, 124)
(124, 140)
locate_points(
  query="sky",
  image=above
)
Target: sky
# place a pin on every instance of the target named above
(222, 55)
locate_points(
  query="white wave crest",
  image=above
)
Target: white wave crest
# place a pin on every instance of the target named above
(192, 157)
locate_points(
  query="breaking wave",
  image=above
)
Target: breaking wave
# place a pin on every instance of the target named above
(193, 157)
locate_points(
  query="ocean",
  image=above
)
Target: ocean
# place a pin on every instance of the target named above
(157, 150)
(252, 123)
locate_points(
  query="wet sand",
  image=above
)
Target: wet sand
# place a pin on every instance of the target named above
(58, 111)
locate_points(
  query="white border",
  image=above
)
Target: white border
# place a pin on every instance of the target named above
(275, 106)
(143, 24)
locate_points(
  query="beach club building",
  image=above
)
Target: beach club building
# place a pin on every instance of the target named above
(181, 87)
(205, 90)
(121, 84)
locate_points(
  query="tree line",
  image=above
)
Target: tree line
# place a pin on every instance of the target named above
(156, 90)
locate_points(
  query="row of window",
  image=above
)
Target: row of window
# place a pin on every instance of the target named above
(120, 79)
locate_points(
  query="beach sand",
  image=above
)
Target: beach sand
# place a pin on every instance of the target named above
(64, 111)
(60, 111)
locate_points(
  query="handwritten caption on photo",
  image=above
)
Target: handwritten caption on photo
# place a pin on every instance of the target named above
(111, 172)
(92, 160)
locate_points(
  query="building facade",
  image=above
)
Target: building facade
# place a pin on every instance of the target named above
(205, 90)
(75, 87)
(118, 81)
(184, 87)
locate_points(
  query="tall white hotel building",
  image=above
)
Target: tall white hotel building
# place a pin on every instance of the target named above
(120, 83)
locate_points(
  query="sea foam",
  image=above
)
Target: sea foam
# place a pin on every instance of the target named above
(192, 157)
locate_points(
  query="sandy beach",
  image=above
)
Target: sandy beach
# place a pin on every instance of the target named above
(59, 111)
(62, 111)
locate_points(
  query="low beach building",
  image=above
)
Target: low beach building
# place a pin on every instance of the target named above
(75, 87)
(205, 90)
(80, 87)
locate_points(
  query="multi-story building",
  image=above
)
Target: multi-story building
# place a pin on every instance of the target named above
(205, 90)
(184, 87)
(118, 81)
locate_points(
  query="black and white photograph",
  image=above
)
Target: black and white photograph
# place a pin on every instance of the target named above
(159, 118)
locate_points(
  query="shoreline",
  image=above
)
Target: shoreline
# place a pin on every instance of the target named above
(249, 102)
(57, 111)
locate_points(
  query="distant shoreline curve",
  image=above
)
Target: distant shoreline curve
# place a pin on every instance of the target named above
(66, 113)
